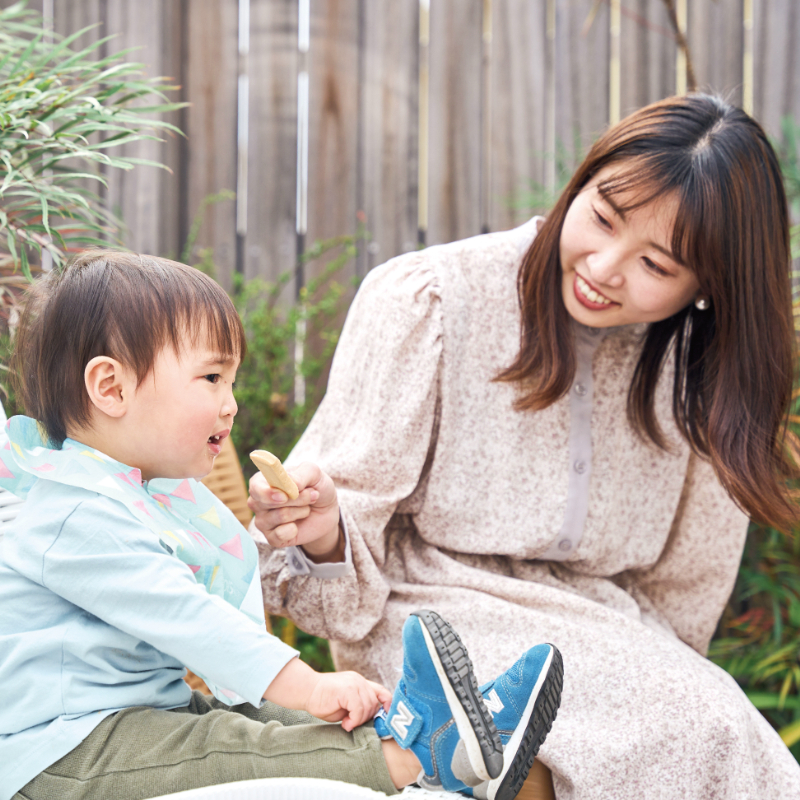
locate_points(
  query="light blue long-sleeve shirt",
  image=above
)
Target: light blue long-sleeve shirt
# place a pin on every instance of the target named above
(96, 616)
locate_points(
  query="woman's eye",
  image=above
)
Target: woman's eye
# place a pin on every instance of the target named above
(601, 220)
(213, 378)
(653, 267)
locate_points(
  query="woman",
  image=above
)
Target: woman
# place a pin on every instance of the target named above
(557, 433)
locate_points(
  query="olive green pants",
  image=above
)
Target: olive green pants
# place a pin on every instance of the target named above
(146, 752)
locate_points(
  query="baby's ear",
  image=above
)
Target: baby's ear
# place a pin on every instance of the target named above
(108, 385)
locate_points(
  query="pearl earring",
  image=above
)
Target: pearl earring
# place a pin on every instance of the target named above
(702, 303)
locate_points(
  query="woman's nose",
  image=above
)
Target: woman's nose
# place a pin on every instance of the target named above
(606, 267)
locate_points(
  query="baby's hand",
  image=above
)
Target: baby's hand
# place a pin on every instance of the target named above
(347, 697)
(312, 520)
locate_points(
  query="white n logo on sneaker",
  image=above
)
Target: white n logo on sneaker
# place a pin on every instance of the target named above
(402, 719)
(493, 702)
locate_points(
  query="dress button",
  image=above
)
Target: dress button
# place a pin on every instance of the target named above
(580, 389)
(564, 545)
(580, 467)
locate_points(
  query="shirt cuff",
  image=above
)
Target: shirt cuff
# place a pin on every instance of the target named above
(300, 564)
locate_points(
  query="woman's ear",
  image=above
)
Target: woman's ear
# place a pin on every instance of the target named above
(108, 385)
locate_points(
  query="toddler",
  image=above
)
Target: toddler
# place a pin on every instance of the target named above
(121, 570)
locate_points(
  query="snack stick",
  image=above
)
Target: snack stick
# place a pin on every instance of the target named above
(271, 468)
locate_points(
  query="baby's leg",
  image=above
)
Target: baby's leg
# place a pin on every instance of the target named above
(144, 752)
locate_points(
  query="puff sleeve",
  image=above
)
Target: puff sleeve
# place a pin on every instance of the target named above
(371, 434)
(693, 578)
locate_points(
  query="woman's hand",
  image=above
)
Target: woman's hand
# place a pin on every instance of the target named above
(345, 697)
(311, 521)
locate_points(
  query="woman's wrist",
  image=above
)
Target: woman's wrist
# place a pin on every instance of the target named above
(328, 549)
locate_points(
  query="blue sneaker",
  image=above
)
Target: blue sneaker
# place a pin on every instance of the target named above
(437, 710)
(524, 702)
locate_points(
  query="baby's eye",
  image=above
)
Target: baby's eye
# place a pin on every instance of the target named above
(213, 377)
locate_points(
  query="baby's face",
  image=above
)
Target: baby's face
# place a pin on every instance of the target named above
(181, 413)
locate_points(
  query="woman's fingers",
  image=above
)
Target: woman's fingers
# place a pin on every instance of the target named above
(263, 496)
(282, 536)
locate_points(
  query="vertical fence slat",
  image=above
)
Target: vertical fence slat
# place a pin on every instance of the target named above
(333, 113)
(71, 17)
(582, 54)
(518, 108)
(716, 42)
(387, 170)
(777, 62)
(210, 78)
(270, 243)
(455, 129)
(148, 198)
(648, 58)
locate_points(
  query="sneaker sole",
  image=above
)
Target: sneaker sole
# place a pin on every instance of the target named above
(540, 712)
(473, 720)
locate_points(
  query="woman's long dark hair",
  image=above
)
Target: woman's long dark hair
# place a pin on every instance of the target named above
(734, 362)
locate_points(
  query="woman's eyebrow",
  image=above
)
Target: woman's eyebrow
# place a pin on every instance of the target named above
(620, 212)
(667, 253)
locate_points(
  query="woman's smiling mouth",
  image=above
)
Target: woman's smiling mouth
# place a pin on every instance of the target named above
(590, 297)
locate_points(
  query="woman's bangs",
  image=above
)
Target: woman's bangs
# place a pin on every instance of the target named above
(642, 181)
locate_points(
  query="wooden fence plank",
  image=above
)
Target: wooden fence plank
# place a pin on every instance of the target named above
(716, 40)
(148, 198)
(387, 148)
(210, 79)
(648, 60)
(582, 54)
(519, 114)
(455, 120)
(272, 151)
(777, 62)
(333, 114)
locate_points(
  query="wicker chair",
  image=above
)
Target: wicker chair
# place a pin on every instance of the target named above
(227, 482)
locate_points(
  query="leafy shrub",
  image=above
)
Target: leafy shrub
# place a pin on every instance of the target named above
(271, 415)
(61, 111)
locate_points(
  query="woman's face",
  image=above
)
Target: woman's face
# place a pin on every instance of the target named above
(618, 267)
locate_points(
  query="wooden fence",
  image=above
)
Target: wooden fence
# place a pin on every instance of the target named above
(427, 119)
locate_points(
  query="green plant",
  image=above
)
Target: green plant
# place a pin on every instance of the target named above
(758, 641)
(269, 415)
(538, 198)
(61, 111)
(205, 262)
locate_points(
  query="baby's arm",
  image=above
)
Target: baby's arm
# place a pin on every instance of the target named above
(311, 521)
(334, 696)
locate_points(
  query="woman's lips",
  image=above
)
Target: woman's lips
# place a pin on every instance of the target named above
(582, 291)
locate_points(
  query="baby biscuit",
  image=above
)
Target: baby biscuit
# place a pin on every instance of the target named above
(271, 468)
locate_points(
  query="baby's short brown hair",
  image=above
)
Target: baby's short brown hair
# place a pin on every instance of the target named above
(121, 305)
